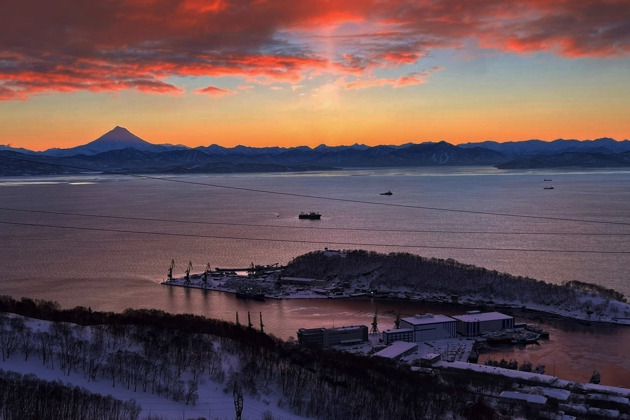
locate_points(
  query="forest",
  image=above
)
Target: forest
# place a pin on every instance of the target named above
(169, 354)
(396, 271)
(30, 398)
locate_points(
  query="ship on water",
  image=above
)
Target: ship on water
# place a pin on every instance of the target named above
(311, 216)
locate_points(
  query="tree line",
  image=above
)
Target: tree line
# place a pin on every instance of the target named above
(26, 397)
(449, 277)
(169, 354)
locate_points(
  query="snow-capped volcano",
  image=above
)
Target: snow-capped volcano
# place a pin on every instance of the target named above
(116, 139)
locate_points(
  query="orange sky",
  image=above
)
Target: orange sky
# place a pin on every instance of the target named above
(279, 72)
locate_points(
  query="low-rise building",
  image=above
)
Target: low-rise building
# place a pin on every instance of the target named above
(475, 323)
(398, 334)
(328, 337)
(397, 350)
(430, 327)
(428, 359)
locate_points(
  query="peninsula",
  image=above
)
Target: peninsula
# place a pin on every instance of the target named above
(357, 273)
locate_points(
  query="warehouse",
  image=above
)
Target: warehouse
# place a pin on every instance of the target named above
(475, 323)
(397, 350)
(429, 327)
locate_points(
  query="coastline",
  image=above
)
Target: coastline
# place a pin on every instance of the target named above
(235, 284)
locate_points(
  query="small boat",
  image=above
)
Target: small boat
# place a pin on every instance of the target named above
(311, 216)
(595, 378)
(528, 337)
(536, 329)
(387, 193)
(547, 179)
(498, 338)
(548, 188)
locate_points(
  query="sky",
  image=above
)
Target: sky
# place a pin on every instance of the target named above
(309, 72)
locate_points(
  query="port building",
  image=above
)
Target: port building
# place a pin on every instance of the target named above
(328, 337)
(475, 323)
(398, 334)
(430, 327)
(397, 350)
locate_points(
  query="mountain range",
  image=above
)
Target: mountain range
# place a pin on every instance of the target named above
(120, 151)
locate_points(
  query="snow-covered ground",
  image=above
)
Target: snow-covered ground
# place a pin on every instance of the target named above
(588, 307)
(215, 400)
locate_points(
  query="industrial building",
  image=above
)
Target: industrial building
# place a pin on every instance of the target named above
(328, 337)
(430, 327)
(475, 323)
(399, 334)
(397, 350)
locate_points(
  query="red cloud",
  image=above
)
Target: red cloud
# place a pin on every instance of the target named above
(408, 80)
(215, 91)
(62, 45)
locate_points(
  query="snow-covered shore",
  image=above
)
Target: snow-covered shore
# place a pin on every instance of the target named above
(172, 374)
(589, 307)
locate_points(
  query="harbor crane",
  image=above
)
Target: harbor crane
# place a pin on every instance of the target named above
(188, 272)
(205, 275)
(169, 276)
(374, 323)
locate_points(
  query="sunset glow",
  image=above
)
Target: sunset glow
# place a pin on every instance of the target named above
(289, 73)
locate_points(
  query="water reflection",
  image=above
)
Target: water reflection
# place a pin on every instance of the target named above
(573, 351)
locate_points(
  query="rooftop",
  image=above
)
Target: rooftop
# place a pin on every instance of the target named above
(396, 349)
(427, 319)
(398, 330)
(350, 327)
(486, 316)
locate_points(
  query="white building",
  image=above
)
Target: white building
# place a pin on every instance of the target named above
(430, 327)
(397, 350)
(475, 323)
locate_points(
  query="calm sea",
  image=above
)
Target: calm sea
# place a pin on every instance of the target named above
(500, 220)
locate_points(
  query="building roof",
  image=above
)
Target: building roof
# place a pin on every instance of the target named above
(398, 330)
(427, 319)
(431, 356)
(486, 316)
(350, 327)
(396, 349)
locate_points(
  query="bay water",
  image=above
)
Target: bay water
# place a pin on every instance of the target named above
(107, 241)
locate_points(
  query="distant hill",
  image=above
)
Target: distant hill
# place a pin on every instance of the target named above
(570, 160)
(539, 147)
(120, 151)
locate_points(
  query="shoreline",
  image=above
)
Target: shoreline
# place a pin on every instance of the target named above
(229, 284)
